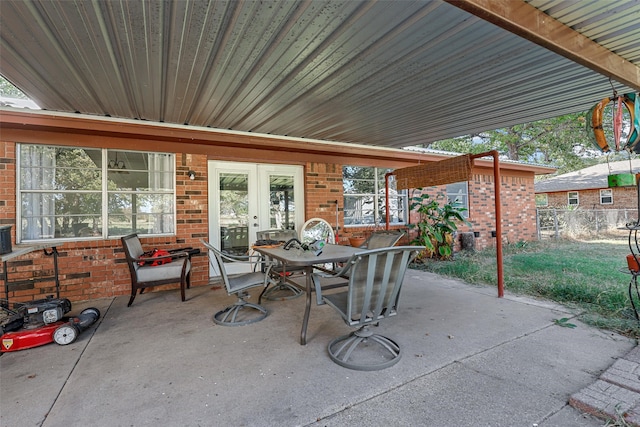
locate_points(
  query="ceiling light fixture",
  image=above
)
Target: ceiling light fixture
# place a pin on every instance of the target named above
(115, 164)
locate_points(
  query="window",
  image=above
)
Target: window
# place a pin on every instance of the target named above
(70, 192)
(542, 200)
(364, 197)
(573, 198)
(606, 197)
(458, 196)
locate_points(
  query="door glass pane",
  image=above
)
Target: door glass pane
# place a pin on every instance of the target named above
(282, 206)
(234, 213)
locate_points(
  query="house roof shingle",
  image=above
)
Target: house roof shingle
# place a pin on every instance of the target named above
(593, 177)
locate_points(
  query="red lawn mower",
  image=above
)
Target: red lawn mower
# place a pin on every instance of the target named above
(40, 322)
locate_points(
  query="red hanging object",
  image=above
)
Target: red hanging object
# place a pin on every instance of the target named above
(617, 122)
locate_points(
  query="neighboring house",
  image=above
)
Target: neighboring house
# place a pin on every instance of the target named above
(588, 188)
(79, 183)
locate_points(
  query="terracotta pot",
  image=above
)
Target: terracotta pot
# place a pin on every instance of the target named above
(356, 242)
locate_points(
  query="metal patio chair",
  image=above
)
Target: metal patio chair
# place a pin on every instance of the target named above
(241, 312)
(382, 239)
(145, 276)
(282, 290)
(375, 281)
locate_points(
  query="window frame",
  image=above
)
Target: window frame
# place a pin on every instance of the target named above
(169, 180)
(576, 198)
(610, 196)
(377, 196)
(542, 204)
(465, 195)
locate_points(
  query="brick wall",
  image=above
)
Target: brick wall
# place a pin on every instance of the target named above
(97, 268)
(518, 208)
(324, 185)
(7, 184)
(623, 198)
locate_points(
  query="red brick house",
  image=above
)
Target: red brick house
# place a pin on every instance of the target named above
(189, 120)
(91, 260)
(588, 188)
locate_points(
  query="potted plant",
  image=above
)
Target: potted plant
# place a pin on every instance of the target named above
(437, 225)
(357, 240)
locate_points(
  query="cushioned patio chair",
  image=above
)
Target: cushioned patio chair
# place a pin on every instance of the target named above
(145, 276)
(282, 290)
(375, 281)
(241, 312)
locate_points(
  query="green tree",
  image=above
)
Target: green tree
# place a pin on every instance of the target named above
(9, 90)
(77, 174)
(559, 141)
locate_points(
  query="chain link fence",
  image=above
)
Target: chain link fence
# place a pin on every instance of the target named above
(555, 223)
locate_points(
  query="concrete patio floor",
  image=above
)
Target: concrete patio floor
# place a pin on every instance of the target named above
(469, 359)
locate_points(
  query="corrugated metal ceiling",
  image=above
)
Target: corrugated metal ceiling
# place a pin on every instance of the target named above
(384, 73)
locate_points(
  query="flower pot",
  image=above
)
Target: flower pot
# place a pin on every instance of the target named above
(357, 241)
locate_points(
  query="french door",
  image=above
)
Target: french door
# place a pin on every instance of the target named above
(245, 198)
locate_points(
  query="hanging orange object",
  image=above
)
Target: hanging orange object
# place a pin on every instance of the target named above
(595, 129)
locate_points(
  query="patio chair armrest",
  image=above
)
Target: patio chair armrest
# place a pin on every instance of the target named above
(268, 278)
(176, 255)
(150, 259)
(315, 278)
(173, 257)
(264, 263)
(318, 275)
(253, 260)
(341, 272)
(170, 256)
(244, 258)
(248, 259)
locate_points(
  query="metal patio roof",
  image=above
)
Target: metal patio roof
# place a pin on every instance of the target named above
(388, 73)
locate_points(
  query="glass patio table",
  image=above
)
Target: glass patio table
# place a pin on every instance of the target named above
(309, 260)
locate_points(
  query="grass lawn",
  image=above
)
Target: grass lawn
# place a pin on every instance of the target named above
(591, 276)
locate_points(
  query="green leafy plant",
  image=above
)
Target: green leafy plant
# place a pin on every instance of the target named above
(438, 222)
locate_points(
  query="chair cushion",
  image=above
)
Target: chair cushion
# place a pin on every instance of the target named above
(135, 247)
(172, 270)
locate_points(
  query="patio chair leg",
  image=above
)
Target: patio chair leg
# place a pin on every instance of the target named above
(133, 296)
(262, 293)
(281, 291)
(343, 348)
(229, 316)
